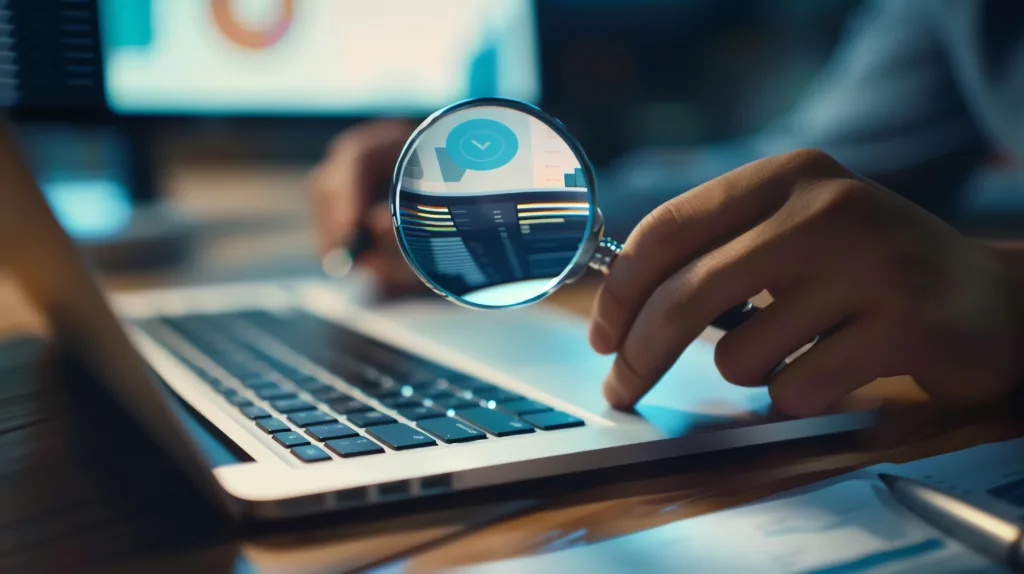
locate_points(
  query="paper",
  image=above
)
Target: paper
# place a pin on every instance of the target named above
(846, 524)
(990, 476)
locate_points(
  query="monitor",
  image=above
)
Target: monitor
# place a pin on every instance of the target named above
(91, 59)
(115, 64)
(314, 57)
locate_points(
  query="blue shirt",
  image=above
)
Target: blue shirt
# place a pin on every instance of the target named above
(917, 95)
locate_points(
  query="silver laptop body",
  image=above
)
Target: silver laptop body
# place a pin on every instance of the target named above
(371, 405)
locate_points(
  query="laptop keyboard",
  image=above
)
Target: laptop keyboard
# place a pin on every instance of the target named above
(390, 398)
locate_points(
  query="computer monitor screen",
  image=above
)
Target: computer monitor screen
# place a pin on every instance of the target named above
(314, 57)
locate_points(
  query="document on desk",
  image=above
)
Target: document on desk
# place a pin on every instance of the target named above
(846, 524)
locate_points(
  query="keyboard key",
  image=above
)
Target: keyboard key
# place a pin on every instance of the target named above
(553, 420)
(328, 394)
(290, 439)
(451, 430)
(241, 371)
(436, 391)
(239, 401)
(401, 437)
(220, 387)
(497, 395)
(265, 358)
(330, 431)
(369, 419)
(255, 412)
(291, 405)
(355, 446)
(310, 453)
(420, 413)
(468, 383)
(260, 382)
(205, 375)
(382, 391)
(307, 418)
(227, 391)
(267, 387)
(454, 403)
(494, 422)
(420, 381)
(402, 402)
(311, 385)
(291, 373)
(275, 394)
(524, 407)
(348, 406)
(272, 425)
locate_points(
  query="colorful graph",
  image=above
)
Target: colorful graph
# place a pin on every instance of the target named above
(550, 212)
(575, 179)
(247, 36)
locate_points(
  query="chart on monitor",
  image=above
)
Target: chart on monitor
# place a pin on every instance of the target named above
(314, 57)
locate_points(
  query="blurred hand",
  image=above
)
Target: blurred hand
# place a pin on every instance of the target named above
(350, 188)
(893, 290)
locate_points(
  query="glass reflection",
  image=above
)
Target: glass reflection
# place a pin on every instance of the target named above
(492, 205)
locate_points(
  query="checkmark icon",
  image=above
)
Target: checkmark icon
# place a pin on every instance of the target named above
(481, 144)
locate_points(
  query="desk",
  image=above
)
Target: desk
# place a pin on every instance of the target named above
(82, 490)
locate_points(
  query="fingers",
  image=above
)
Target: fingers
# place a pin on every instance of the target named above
(690, 225)
(748, 353)
(386, 259)
(357, 167)
(682, 307)
(837, 365)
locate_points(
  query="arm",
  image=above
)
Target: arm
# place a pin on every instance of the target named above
(887, 106)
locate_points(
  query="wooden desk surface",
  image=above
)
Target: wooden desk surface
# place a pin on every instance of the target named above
(82, 490)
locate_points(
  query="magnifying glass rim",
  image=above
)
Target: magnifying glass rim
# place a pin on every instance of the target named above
(595, 221)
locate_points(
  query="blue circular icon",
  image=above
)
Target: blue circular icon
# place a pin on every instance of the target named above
(481, 144)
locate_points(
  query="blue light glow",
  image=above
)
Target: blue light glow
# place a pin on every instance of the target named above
(89, 209)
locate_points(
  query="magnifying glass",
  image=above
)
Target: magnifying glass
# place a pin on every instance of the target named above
(494, 205)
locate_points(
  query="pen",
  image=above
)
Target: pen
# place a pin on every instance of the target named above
(985, 533)
(340, 260)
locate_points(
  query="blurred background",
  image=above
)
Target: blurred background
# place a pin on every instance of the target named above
(151, 123)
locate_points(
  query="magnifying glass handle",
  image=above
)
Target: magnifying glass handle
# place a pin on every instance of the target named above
(608, 251)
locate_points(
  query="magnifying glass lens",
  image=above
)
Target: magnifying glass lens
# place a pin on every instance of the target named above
(494, 204)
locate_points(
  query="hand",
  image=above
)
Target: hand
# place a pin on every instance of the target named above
(893, 290)
(350, 188)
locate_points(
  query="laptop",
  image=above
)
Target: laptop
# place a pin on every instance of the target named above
(288, 398)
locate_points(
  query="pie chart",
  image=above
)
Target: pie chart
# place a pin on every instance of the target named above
(247, 35)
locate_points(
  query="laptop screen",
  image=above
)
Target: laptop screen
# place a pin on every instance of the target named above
(314, 57)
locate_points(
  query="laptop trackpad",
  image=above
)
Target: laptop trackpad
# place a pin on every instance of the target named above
(548, 349)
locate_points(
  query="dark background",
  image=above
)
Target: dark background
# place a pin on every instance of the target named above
(624, 75)
(620, 73)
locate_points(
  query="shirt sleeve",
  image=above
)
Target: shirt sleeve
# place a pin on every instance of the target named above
(887, 105)
(888, 101)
